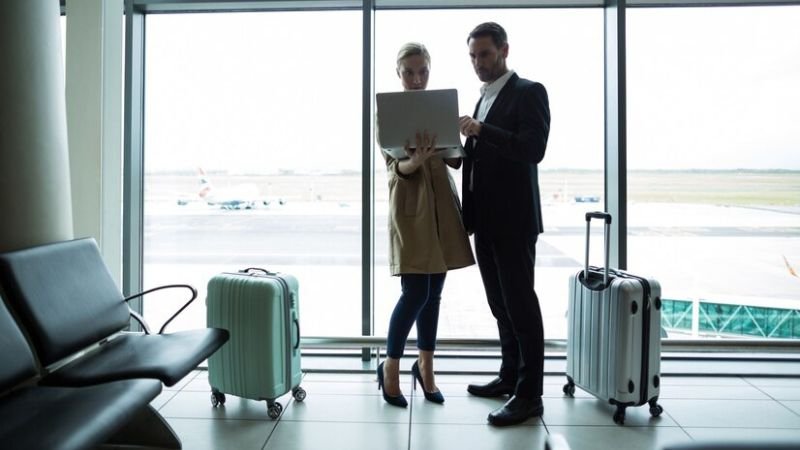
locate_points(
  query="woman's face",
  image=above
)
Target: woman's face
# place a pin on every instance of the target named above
(413, 72)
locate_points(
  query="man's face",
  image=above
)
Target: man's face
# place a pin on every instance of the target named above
(488, 61)
(413, 72)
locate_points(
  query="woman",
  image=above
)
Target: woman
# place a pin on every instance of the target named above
(427, 238)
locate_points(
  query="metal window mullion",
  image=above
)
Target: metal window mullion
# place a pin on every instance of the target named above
(133, 157)
(615, 130)
(367, 176)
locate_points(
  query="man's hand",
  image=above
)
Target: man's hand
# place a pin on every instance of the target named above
(469, 127)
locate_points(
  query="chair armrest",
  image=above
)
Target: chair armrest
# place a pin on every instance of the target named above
(167, 286)
(141, 321)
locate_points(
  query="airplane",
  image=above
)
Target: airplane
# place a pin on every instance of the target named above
(242, 196)
(587, 198)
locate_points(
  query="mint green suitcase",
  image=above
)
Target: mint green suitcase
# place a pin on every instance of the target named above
(261, 361)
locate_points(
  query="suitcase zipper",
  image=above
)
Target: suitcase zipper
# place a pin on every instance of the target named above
(287, 306)
(644, 385)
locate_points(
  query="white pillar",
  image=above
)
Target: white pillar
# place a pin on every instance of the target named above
(35, 204)
(94, 117)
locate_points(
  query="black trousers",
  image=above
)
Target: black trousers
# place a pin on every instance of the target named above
(507, 268)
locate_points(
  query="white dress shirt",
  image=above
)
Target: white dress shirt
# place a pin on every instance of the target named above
(489, 93)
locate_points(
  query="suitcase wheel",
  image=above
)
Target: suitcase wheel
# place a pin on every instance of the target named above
(655, 409)
(299, 394)
(217, 398)
(569, 389)
(619, 415)
(274, 410)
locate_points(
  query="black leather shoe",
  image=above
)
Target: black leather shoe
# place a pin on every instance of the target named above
(495, 388)
(516, 410)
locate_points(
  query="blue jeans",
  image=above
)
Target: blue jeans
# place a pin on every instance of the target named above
(419, 302)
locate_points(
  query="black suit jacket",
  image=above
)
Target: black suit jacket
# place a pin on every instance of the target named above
(500, 181)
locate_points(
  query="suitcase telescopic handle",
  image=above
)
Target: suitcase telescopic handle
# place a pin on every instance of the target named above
(607, 222)
(257, 269)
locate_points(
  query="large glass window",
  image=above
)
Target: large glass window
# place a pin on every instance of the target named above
(253, 152)
(562, 49)
(714, 166)
(253, 157)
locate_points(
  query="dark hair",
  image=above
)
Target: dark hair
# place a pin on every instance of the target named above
(492, 29)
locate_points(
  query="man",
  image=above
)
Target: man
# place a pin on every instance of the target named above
(506, 139)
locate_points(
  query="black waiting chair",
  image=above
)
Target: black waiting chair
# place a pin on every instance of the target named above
(68, 418)
(740, 445)
(67, 302)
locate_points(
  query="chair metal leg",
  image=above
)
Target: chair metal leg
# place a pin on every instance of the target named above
(147, 429)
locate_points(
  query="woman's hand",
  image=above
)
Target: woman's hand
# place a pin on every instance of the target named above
(425, 148)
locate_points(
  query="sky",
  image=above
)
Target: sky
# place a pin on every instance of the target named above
(708, 88)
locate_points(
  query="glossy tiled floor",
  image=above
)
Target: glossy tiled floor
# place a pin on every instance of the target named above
(346, 411)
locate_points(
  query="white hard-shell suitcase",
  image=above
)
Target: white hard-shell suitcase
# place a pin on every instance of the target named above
(613, 335)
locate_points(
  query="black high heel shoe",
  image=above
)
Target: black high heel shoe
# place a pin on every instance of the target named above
(398, 400)
(435, 397)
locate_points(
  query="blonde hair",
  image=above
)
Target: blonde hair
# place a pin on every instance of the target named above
(411, 49)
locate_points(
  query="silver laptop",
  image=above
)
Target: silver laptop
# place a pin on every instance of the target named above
(402, 114)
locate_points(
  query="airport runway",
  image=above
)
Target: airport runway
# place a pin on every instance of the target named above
(714, 253)
(327, 235)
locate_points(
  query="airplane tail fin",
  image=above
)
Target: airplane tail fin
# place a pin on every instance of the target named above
(789, 267)
(205, 184)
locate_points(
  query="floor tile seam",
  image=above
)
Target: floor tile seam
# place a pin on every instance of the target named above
(747, 381)
(389, 421)
(482, 424)
(171, 397)
(701, 385)
(541, 420)
(796, 413)
(670, 416)
(339, 382)
(222, 419)
(774, 397)
(758, 388)
(174, 388)
(764, 400)
(360, 422)
(272, 431)
(738, 428)
(349, 394)
(184, 381)
(749, 427)
(613, 425)
(411, 396)
(686, 433)
(700, 399)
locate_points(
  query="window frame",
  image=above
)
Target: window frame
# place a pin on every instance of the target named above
(615, 170)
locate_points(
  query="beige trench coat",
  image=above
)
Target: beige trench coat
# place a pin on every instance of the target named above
(426, 233)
